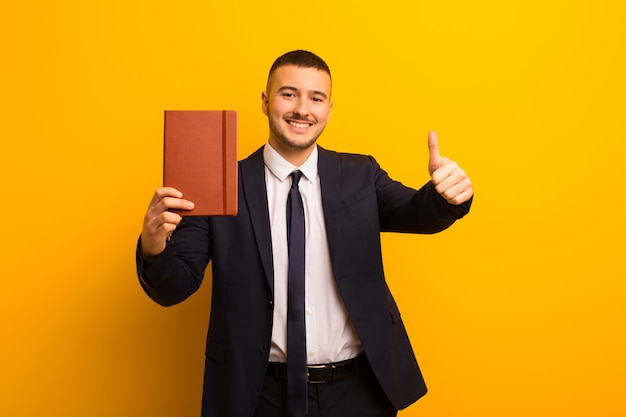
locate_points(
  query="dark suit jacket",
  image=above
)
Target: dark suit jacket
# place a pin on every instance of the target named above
(359, 201)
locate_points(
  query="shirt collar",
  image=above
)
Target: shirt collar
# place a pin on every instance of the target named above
(281, 168)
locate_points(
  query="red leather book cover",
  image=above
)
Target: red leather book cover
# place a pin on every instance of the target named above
(200, 159)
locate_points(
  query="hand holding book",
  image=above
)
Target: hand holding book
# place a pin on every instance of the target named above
(160, 222)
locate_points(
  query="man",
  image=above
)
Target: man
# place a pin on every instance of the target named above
(359, 361)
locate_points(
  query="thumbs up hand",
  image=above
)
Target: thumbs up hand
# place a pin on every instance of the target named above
(450, 181)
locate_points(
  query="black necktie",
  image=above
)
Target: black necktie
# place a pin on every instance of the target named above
(296, 330)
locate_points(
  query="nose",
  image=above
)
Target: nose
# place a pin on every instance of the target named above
(300, 107)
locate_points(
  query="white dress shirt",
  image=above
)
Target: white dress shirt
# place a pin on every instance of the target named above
(330, 333)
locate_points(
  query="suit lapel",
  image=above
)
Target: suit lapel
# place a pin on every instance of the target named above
(253, 184)
(330, 182)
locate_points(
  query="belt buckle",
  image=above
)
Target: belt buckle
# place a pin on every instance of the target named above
(308, 374)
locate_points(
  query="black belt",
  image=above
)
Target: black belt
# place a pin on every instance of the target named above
(319, 374)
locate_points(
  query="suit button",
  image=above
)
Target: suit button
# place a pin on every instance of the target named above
(263, 349)
(270, 304)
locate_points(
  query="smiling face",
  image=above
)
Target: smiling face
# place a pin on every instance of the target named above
(297, 105)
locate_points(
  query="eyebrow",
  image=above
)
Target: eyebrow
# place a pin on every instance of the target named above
(291, 88)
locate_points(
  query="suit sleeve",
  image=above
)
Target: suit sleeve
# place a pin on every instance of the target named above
(178, 271)
(404, 209)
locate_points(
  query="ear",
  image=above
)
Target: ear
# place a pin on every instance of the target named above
(330, 108)
(265, 102)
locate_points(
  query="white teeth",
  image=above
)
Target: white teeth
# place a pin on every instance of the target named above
(299, 125)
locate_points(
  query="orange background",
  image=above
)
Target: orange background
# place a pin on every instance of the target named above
(518, 310)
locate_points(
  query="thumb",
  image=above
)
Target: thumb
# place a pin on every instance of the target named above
(434, 161)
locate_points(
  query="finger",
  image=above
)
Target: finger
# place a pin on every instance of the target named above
(159, 213)
(156, 213)
(161, 228)
(163, 192)
(456, 188)
(172, 218)
(157, 229)
(446, 169)
(172, 203)
(165, 230)
(434, 160)
(178, 221)
(459, 194)
(168, 192)
(163, 220)
(448, 176)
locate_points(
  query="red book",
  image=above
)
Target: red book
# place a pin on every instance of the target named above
(200, 160)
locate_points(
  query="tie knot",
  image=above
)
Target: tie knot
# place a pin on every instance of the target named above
(295, 178)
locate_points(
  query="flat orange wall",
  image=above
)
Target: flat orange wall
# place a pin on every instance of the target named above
(517, 311)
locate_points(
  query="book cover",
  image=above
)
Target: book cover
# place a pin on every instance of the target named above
(200, 159)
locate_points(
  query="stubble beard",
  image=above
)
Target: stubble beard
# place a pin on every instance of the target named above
(285, 141)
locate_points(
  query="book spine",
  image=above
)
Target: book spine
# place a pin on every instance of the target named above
(229, 141)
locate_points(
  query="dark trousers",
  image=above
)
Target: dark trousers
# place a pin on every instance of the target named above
(357, 395)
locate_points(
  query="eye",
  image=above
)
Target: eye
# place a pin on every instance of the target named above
(288, 95)
(317, 99)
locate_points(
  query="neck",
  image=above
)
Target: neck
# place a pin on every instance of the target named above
(295, 156)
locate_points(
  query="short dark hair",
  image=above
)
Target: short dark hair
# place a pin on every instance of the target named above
(300, 58)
